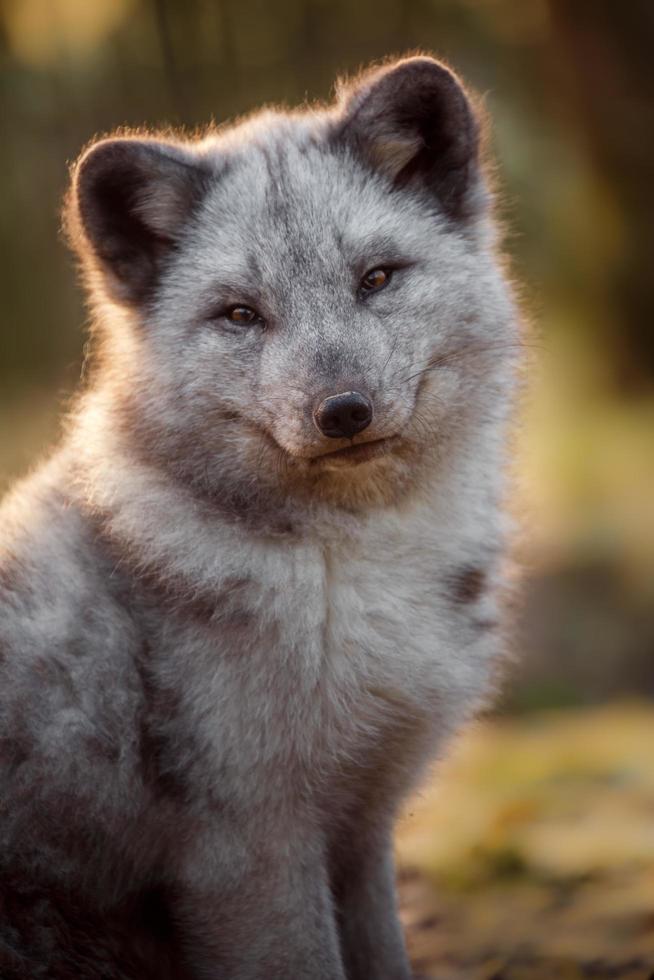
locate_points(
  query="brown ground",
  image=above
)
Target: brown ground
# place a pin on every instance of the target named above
(532, 858)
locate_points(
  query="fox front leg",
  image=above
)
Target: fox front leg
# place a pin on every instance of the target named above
(272, 918)
(364, 884)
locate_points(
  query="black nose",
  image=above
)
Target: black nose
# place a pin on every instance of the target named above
(342, 416)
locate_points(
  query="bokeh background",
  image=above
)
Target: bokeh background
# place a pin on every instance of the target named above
(570, 88)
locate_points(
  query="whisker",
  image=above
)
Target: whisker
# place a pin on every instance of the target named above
(464, 351)
(386, 362)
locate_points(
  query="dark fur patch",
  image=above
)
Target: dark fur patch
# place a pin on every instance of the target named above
(15, 751)
(157, 758)
(133, 580)
(49, 933)
(12, 575)
(54, 673)
(102, 748)
(467, 584)
(486, 625)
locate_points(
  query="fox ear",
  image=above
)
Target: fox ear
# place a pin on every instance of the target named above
(413, 122)
(129, 202)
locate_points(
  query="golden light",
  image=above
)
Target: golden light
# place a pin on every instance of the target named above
(40, 32)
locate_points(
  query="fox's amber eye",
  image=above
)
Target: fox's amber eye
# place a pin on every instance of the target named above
(243, 315)
(375, 279)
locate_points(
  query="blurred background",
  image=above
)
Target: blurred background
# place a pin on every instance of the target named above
(570, 88)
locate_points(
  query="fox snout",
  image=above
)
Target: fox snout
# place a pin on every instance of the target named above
(344, 415)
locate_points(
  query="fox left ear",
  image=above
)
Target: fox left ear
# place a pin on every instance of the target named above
(130, 200)
(413, 122)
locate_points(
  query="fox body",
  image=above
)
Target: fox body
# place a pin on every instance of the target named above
(259, 584)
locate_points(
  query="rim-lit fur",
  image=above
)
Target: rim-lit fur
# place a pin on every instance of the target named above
(230, 643)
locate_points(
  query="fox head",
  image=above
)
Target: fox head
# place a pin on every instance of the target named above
(305, 303)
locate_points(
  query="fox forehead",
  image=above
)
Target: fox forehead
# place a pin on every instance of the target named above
(288, 206)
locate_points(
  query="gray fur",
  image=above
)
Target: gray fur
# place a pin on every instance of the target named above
(226, 659)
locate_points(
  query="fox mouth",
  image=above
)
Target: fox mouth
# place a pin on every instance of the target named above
(360, 453)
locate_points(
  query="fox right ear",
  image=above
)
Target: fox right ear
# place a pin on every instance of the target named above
(130, 200)
(413, 122)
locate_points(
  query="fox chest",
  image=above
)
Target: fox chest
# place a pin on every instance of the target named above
(327, 666)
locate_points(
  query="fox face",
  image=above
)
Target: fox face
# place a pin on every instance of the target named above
(304, 304)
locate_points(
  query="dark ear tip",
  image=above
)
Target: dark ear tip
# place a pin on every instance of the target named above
(423, 75)
(95, 164)
(420, 70)
(409, 86)
(110, 145)
(421, 65)
(105, 155)
(117, 166)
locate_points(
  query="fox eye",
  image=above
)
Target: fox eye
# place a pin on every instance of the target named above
(375, 280)
(244, 316)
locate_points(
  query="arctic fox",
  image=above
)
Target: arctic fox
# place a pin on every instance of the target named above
(259, 584)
